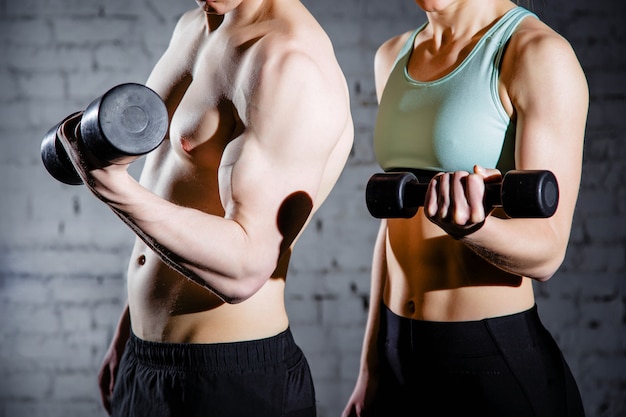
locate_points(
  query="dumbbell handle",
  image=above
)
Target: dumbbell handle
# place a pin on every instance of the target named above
(522, 194)
(415, 194)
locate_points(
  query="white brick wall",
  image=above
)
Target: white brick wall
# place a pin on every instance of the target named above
(63, 255)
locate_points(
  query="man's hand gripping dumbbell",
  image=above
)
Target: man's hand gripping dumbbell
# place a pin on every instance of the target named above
(123, 124)
(521, 194)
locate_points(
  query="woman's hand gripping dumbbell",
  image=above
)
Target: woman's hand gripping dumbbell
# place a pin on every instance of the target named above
(522, 194)
(124, 123)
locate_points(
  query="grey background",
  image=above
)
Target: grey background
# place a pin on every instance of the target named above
(63, 254)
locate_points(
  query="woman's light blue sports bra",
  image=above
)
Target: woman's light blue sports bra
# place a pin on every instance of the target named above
(452, 123)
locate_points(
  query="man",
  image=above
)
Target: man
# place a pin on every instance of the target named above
(260, 131)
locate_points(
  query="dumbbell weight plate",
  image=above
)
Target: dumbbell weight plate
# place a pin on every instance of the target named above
(55, 158)
(386, 195)
(127, 121)
(530, 194)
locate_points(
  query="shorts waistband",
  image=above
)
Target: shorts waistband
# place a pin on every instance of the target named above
(248, 355)
(464, 338)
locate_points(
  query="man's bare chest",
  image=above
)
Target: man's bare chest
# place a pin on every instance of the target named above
(204, 122)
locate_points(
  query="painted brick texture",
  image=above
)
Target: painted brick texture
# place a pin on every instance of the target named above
(63, 255)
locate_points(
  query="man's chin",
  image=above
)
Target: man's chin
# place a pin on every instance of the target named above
(207, 6)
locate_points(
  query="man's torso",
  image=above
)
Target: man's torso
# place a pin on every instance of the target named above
(204, 78)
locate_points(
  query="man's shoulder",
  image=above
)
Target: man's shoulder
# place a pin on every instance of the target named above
(188, 17)
(278, 47)
(296, 65)
(283, 36)
(189, 27)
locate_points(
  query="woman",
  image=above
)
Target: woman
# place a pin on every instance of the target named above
(481, 88)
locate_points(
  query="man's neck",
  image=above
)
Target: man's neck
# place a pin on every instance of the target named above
(246, 13)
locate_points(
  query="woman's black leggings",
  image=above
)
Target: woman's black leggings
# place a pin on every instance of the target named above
(505, 366)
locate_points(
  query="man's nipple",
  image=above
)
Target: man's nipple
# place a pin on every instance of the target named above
(186, 144)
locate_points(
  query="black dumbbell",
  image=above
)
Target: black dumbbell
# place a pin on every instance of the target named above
(522, 194)
(124, 123)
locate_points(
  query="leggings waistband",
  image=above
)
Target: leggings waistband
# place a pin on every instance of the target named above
(245, 355)
(467, 337)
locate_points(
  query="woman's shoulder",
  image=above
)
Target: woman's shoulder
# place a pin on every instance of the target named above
(388, 51)
(392, 46)
(534, 39)
(536, 53)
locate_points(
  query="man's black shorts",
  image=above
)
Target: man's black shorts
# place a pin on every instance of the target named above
(267, 377)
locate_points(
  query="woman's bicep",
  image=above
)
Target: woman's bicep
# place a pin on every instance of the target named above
(550, 96)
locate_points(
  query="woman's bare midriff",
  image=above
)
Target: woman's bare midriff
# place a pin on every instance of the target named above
(431, 276)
